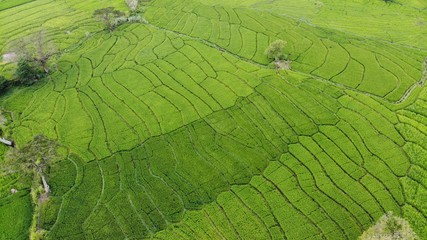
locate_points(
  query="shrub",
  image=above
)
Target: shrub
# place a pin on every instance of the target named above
(119, 21)
(135, 19)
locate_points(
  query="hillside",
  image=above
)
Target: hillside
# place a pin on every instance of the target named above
(179, 128)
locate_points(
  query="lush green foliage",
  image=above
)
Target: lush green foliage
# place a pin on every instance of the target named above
(17, 207)
(275, 50)
(5, 4)
(177, 129)
(27, 73)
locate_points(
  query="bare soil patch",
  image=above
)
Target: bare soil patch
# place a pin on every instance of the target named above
(10, 57)
(283, 65)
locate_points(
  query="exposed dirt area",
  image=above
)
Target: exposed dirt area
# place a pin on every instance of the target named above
(283, 65)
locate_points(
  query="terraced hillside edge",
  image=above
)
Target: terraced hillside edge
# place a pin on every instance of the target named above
(177, 127)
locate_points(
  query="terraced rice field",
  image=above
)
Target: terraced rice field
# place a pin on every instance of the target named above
(179, 129)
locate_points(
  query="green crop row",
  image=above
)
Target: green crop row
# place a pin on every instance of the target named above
(5, 4)
(355, 63)
(181, 131)
(413, 128)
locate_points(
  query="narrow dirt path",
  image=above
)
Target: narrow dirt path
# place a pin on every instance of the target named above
(420, 83)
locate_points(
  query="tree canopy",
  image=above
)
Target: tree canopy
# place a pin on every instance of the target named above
(275, 50)
(390, 227)
(28, 73)
(37, 50)
(108, 17)
(33, 159)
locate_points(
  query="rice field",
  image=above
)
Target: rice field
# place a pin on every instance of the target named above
(178, 128)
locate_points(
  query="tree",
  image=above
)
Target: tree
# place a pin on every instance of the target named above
(43, 51)
(389, 227)
(33, 159)
(109, 17)
(275, 50)
(28, 73)
(36, 50)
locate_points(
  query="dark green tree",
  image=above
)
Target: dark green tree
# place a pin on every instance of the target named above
(28, 72)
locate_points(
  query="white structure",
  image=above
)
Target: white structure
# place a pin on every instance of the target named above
(6, 142)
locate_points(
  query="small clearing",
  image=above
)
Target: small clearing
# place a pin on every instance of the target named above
(283, 65)
(9, 57)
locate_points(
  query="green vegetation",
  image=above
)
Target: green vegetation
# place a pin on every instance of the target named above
(5, 4)
(3, 83)
(33, 159)
(390, 227)
(36, 51)
(109, 17)
(27, 73)
(275, 50)
(178, 129)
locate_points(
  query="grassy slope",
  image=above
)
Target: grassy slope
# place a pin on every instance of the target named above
(180, 126)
